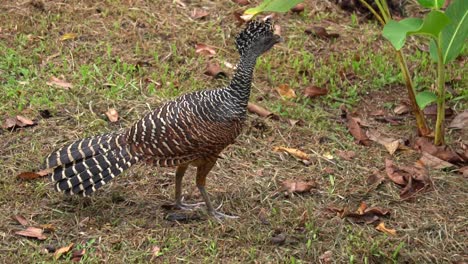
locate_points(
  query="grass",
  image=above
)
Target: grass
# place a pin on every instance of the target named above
(133, 55)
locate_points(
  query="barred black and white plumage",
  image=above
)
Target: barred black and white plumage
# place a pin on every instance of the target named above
(191, 130)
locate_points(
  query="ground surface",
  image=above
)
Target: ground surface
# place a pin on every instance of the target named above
(131, 55)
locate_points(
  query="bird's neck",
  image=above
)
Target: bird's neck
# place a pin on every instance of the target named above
(240, 85)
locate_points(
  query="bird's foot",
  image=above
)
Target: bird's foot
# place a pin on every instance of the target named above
(183, 206)
(220, 216)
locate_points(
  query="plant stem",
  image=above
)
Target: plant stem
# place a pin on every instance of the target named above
(439, 127)
(423, 129)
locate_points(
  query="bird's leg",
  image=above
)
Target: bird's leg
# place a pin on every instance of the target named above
(202, 171)
(180, 171)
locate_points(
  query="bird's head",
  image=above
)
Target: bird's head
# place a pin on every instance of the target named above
(257, 38)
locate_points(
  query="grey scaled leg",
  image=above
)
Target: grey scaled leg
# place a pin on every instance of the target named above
(202, 171)
(180, 171)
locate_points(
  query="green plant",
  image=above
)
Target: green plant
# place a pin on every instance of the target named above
(447, 32)
(384, 16)
(273, 6)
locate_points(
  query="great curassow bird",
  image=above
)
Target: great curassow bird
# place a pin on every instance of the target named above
(191, 130)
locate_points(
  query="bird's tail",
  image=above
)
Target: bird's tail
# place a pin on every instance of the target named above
(85, 165)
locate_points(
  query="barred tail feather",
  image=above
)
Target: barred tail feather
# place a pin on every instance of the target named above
(85, 165)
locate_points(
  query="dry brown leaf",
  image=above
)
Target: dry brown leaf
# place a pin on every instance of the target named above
(298, 8)
(20, 219)
(381, 227)
(263, 216)
(321, 32)
(256, 109)
(32, 232)
(34, 175)
(401, 109)
(54, 81)
(48, 227)
(376, 178)
(464, 171)
(293, 186)
(442, 152)
(62, 250)
(294, 152)
(326, 257)
(346, 154)
(286, 92)
(394, 175)
(431, 110)
(17, 122)
(433, 162)
(113, 115)
(155, 251)
(357, 132)
(214, 70)
(362, 208)
(314, 91)
(413, 179)
(198, 13)
(378, 112)
(205, 50)
(278, 239)
(390, 144)
(460, 121)
(241, 2)
(78, 254)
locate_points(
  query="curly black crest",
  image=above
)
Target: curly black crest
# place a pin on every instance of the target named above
(254, 30)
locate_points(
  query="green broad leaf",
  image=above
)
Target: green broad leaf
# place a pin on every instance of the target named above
(433, 50)
(273, 6)
(436, 4)
(425, 98)
(454, 35)
(431, 26)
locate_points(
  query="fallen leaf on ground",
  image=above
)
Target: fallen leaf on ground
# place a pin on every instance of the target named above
(433, 162)
(32, 232)
(48, 227)
(78, 254)
(112, 115)
(205, 50)
(263, 216)
(431, 110)
(21, 220)
(460, 121)
(241, 2)
(285, 91)
(54, 81)
(381, 227)
(62, 250)
(355, 129)
(376, 178)
(379, 112)
(278, 239)
(298, 8)
(442, 152)
(17, 121)
(214, 70)
(326, 257)
(34, 175)
(68, 36)
(314, 91)
(155, 251)
(256, 109)
(364, 214)
(390, 144)
(412, 179)
(294, 152)
(321, 32)
(346, 154)
(198, 13)
(401, 109)
(293, 186)
(464, 171)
